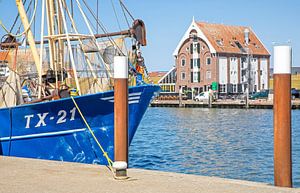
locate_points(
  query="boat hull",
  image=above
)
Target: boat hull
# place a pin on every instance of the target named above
(55, 131)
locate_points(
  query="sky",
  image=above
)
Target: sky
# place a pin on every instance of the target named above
(273, 21)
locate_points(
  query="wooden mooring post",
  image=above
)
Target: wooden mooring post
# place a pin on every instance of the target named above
(120, 115)
(282, 116)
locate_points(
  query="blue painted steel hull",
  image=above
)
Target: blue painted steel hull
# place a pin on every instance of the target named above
(54, 130)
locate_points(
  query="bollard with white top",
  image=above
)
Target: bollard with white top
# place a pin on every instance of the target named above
(282, 116)
(120, 116)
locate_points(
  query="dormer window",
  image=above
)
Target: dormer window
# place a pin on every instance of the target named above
(219, 42)
(237, 43)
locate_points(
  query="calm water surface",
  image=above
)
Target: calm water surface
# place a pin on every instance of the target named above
(230, 143)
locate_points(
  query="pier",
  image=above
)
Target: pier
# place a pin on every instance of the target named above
(35, 176)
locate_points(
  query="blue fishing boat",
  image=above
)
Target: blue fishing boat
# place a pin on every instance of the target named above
(54, 130)
(52, 113)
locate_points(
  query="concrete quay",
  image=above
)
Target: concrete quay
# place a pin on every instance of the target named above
(231, 104)
(20, 175)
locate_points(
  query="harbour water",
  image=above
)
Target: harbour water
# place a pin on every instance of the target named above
(228, 143)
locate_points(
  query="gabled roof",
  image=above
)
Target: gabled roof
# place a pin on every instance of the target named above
(224, 38)
(230, 39)
(186, 35)
(156, 76)
(166, 74)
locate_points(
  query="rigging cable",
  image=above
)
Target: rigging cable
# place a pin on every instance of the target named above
(102, 27)
(26, 30)
(126, 19)
(97, 15)
(114, 9)
(123, 5)
(17, 17)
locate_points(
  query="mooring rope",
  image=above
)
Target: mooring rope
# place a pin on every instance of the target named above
(110, 162)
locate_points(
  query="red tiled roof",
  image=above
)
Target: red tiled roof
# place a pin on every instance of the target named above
(227, 36)
(157, 74)
(4, 56)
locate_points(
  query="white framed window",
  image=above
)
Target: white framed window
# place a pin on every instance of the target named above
(196, 47)
(196, 62)
(208, 74)
(182, 75)
(222, 88)
(195, 76)
(233, 59)
(208, 61)
(183, 61)
(234, 88)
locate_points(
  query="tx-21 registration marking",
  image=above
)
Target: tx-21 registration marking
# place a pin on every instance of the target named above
(61, 118)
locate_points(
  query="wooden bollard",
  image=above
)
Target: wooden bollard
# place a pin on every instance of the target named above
(120, 115)
(282, 116)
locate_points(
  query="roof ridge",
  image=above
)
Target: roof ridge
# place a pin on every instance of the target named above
(227, 25)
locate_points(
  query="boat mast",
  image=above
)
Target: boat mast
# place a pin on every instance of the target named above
(60, 59)
(67, 35)
(50, 24)
(29, 34)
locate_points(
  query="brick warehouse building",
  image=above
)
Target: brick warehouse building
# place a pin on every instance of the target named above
(218, 53)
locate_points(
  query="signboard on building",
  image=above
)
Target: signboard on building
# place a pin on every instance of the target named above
(214, 86)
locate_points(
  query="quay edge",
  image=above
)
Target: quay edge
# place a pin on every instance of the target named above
(24, 175)
(223, 105)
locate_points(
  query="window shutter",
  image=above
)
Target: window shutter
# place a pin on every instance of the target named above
(192, 80)
(198, 48)
(198, 62)
(191, 48)
(198, 76)
(191, 63)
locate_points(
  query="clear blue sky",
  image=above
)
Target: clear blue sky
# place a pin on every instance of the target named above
(166, 21)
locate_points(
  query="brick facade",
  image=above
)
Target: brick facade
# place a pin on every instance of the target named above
(226, 58)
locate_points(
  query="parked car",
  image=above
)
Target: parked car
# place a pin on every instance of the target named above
(295, 93)
(259, 95)
(202, 96)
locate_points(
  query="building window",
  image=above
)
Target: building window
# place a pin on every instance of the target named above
(182, 75)
(195, 48)
(234, 88)
(208, 61)
(195, 38)
(208, 74)
(195, 62)
(219, 42)
(195, 77)
(222, 88)
(183, 61)
(191, 49)
(233, 59)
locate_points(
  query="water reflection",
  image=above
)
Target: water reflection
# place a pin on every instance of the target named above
(230, 143)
